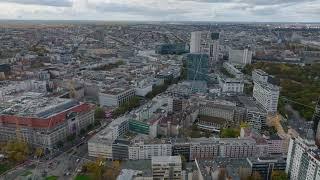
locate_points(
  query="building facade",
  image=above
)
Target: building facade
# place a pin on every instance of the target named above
(116, 97)
(50, 126)
(241, 57)
(197, 67)
(267, 95)
(166, 167)
(303, 160)
(265, 166)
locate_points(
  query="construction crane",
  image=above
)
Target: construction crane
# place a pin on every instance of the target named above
(72, 89)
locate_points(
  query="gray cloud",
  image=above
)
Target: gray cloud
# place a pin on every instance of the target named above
(57, 3)
(138, 10)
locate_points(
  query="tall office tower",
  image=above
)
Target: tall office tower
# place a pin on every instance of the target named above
(166, 167)
(206, 42)
(316, 120)
(241, 57)
(267, 95)
(303, 160)
(214, 47)
(195, 44)
(197, 67)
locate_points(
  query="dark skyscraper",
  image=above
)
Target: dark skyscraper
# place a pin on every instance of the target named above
(197, 67)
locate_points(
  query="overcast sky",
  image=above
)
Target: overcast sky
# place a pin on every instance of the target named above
(163, 10)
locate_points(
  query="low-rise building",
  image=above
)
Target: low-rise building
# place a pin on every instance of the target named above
(232, 70)
(116, 97)
(266, 165)
(166, 167)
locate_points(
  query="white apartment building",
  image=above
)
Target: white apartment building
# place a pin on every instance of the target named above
(237, 148)
(217, 110)
(101, 143)
(241, 57)
(195, 43)
(116, 96)
(267, 95)
(142, 151)
(303, 160)
(259, 76)
(232, 70)
(166, 167)
(231, 85)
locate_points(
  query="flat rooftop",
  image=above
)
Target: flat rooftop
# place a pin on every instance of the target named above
(116, 91)
(37, 105)
(165, 159)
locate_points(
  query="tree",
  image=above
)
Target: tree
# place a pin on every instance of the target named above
(82, 131)
(17, 150)
(99, 113)
(279, 175)
(255, 176)
(95, 169)
(39, 152)
(183, 161)
(113, 171)
(229, 133)
(71, 137)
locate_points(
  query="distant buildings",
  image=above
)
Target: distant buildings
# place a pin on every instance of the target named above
(241, 57)
(206, 42)
(166, 167)
(197, 67)
(303, 160)
(116, 96)
(171, 49)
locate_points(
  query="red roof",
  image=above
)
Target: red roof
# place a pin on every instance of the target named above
(44, 122)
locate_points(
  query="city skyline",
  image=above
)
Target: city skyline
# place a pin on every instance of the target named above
(168, 10)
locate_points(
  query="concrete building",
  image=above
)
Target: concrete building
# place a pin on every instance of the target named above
(231, 85)
(266, 165)
(241, 57)
(255, 116)
(116, 97)
(101, 144)
(197, 67)
(232, 70)
(141, 151)
(195, 43)
(267, 95)
(181, 149)
(204, 149)
(166, 167)
(41, 120)
(238, 148)
(259, 76)
(303, 160)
